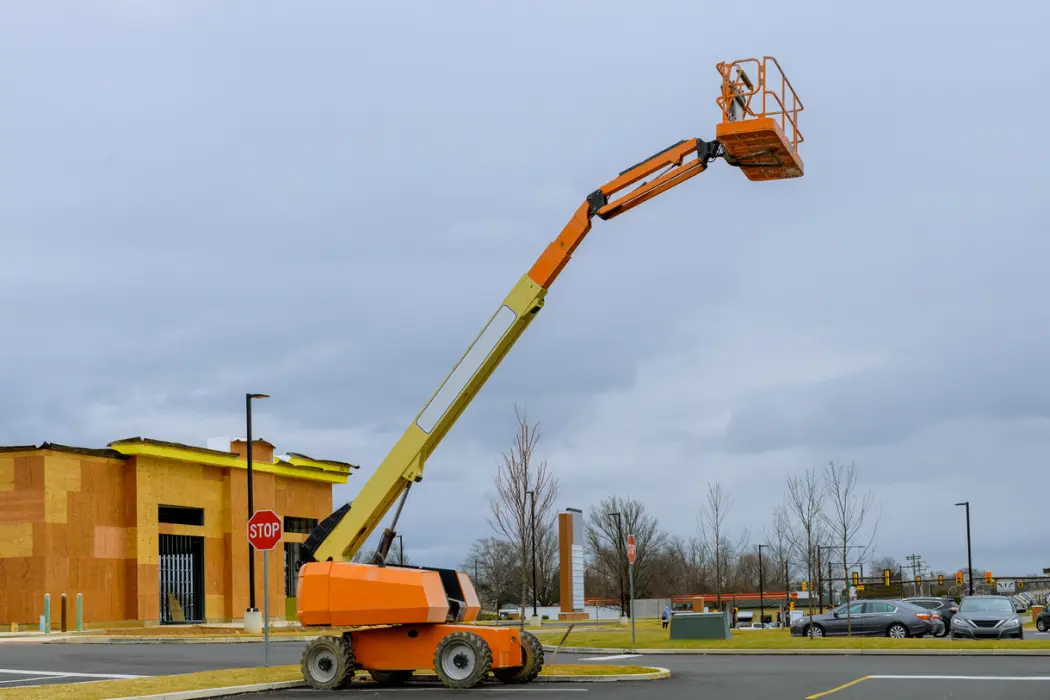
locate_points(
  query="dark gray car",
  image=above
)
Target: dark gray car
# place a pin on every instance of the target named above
(986, 617)
(891, 618)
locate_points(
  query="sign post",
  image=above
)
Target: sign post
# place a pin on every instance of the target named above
(264, 532)
(632, 552)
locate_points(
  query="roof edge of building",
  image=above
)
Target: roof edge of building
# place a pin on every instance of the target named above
(70, 449)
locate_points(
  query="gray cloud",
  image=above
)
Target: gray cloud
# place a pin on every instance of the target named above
(325, 203)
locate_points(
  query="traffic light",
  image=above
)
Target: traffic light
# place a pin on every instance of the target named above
(918, 580)
(988, 577)
(886, 577)
(940, 579)
(1020, 584)
(958, 577)
(805, 586)
(791, 606)
(856, 578)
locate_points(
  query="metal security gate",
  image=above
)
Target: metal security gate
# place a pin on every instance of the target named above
(181, 579)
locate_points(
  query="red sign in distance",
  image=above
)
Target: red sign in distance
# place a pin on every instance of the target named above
(264, 529)
(632, 550)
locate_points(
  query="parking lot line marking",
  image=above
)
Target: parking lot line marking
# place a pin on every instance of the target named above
(611, 658)
(835, 690)
(965, 678)
(34, 678)
(23, 672)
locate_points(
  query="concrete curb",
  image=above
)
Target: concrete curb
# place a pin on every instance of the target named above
(217, 692)
(657, 673)
(803, 652)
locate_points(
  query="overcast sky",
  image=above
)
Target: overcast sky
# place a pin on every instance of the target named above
(324, 201)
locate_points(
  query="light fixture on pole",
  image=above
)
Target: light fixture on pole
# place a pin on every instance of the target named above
(761, 592)
(969, 550)
(535, 613)
(619, 559)
(251, 500)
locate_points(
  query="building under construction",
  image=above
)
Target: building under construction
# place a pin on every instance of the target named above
(151, 531)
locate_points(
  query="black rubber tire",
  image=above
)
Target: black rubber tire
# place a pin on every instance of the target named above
(818, 628)
(338, 650)
(1040, 625)
(390, 678)
(532, 653)
(897, 624)
(482, 659)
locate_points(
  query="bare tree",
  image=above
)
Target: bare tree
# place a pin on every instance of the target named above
(511, 507)
(722, 551)
(847, 514)
(779, 542)
(498, 568)
(805, 501)
(607, 544)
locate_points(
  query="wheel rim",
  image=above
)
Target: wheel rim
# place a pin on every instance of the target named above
(459, 661)
(323, 665)
(1041, 626)
(897, 632)
(817, 632)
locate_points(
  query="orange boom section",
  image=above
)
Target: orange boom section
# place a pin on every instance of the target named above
(350, 594)
(759, 129)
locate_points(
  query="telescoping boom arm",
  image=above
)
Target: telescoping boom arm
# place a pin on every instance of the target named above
(758, 133)
(344, 532)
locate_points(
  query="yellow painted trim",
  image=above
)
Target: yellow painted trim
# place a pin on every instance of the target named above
(835, 690)
(309, 473)
(310, 463)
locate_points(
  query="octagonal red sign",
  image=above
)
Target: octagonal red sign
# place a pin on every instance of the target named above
(264, 529)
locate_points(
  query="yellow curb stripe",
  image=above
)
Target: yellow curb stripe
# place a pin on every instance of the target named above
(835, 690)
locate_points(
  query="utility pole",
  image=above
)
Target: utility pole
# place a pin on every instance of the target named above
(916, 567)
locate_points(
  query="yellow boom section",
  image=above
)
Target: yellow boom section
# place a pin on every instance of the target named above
(404, 464)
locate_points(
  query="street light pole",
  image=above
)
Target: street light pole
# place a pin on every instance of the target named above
(969, 550)
(761, 592)
(251, 501)
(619, 558)
(401, 545)
(534, 589)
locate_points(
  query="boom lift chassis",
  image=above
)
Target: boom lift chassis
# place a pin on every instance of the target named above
(410, 618)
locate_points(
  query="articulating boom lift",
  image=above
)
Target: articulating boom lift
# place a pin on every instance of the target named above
(413, 617)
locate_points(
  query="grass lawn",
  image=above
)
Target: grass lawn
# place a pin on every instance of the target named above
(101, 690)
(650, 635)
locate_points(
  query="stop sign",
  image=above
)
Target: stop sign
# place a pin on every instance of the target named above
(632, 550)
(264, 529)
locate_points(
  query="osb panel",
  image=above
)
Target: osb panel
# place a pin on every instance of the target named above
(61, 473)
(131, 537)
(213, 473)
(29, 473)
(148, 587)
(7, 473)
(214, 607)
(21, 506)
(104, 485)
(16, 540)
(55, 510)
(110, 542)
(214, 565)
(57, 540)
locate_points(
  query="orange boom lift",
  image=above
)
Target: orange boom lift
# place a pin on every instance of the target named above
(412, 618)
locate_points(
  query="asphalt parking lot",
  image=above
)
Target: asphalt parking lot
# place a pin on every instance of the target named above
(738, 677)
(782, 677)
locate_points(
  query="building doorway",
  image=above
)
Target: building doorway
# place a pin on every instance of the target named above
(181, 579)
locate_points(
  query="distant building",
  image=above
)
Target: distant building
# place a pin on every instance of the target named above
(151, 531)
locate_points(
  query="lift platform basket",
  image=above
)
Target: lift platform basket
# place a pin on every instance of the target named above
(759, 129)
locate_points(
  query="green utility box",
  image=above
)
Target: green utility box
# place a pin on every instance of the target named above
(694, 625)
